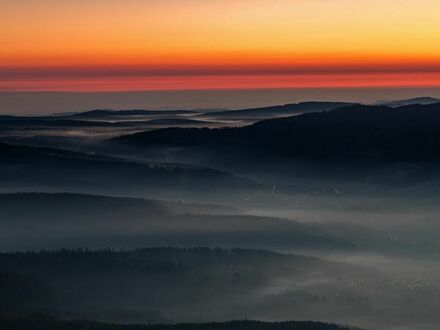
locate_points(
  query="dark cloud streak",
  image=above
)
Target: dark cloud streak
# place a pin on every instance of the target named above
(55, 72)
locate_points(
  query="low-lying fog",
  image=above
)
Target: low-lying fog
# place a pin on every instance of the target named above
(358, 248)
(383, 272)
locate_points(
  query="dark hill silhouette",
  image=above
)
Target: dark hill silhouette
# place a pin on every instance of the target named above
(135, 112)
(29, 122)
(85, 283)
(54, 169)
(19, 291)
(175, 122)
(410, 133)
(139, 119)
(61, 122)
(75, 208)
(278, 110)
(417, 100)
(100, 221)
(93, 118)
(49, 323)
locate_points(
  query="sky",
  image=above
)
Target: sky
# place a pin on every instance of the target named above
(151, 45)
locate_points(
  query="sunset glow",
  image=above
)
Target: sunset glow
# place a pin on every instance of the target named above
(100, 45)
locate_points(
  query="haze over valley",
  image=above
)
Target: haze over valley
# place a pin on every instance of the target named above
(321, 211)
(219, 165)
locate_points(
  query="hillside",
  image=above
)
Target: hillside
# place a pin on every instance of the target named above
(153, 285)
(409, 133)
(45, 169)
(413, 101)
(72, 220)
(276, 111)
(48, 323)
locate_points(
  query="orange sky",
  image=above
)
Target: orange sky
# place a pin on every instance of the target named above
(93, 45)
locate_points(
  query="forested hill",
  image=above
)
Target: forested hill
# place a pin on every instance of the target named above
(47, 323)
(409, 133)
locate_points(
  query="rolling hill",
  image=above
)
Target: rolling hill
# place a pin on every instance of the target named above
(50, 323)
(39, 169)
(71, 220)
(410, 133)
(158, 284)
(276, 111)
(412, 101)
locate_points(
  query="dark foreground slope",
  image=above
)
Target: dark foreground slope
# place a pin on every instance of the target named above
(183, 285)
(47, 323)
(149, 285)
(205, 285)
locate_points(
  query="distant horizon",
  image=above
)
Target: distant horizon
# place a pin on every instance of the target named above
(34, 103)
(103, 45)
(191, 162)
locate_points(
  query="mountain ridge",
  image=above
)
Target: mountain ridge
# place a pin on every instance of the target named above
(421, 100)
(358, 132)
(279, 110)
